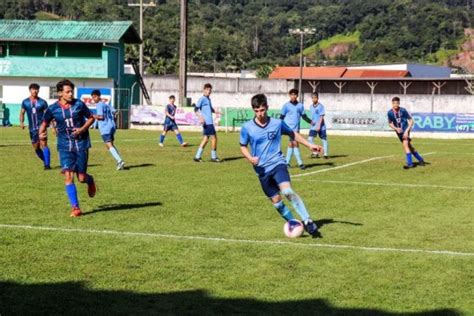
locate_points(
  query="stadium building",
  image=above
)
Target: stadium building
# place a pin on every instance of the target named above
(91, 54)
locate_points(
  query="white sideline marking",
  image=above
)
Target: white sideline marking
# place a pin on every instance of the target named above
(239, 241)
(395, 184)
(342, 166)
(130, 140)
(350, 164)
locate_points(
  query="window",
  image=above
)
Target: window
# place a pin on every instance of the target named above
(80, 50)
(3, 50)
(53, 93)
(33, 49)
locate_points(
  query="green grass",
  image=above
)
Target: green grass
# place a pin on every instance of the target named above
(349, 38)
(87, 271)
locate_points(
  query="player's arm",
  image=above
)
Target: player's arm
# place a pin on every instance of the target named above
(319, 123)
(407, 131)
(100, 112)
(306, 118)
(90, 120)
(22, 116)
(168, 114)
(244, 140)
(197, 111)
(300, 139)
(47, 119)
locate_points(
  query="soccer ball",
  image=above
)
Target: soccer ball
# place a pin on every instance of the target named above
(293, 228)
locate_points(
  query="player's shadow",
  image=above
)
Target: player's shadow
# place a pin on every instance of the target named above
(77, 298)
(337, 156)
(122, 207)
(143, 165)
(327, 221)
(233, 158)
(318, 164)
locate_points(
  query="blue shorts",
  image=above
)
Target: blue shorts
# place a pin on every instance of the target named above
(34, 136)
(170, 126)
(400, 137)
(270, 181)
(75, 161)
(322, 133)
(208, 130)
(108, 138)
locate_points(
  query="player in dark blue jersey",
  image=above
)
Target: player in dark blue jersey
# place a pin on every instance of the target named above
(73, 119)
(263, 135)
(291, 114)
(106, 118)
(170, 123)
(204, 110)
(401, 122)
(35, 107)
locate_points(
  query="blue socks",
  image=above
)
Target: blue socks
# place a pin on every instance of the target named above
(325, 146)
(296, 150)
(72, 194)
(113, 151)
(289, 153)
(418, 156)
(162, 138)
(199, 153)
(297, 203)
(409, 159)
(283, 210)
(39, 153)
(179, 137)
(213, 154)
(47, 157)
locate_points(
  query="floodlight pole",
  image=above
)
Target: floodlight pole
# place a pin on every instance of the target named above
(301, 33)
(142, 7)
(183, 43)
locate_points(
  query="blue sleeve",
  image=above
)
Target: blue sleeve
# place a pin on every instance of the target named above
(23, 104)
(48, 116)
(406, 114)
(100, 109)
(244, 136)
(391, 119)
(284, 110)
(286, 130)
(85, 110)
(322, 111)
(198, 105)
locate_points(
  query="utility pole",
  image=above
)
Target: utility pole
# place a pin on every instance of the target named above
(142, 7)
(183, 43)
(301, 33)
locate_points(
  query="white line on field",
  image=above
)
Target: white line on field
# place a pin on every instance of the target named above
(232, 240)
(349, 165)
(100, 141)
(409, 185)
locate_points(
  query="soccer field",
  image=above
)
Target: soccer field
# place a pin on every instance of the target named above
(171, 236)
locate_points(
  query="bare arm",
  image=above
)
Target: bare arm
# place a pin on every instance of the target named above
(396, 129)
(22, 118)
(300, 139)
(318, 125)
(84, 127)
(99, 117)
(245, 151)
(42, 130)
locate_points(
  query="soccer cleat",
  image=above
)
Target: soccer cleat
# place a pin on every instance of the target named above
(409, 166)
(310, 227)
(76, 212)
(184, 144)
(121, 165)
(326, 157)
(302, 167)
(215, 160)
(421, 163)
(197, 159)
(161, 144)
(91, 188)
(313, 155)
(47, 168)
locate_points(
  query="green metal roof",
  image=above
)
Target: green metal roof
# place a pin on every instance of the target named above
(68, 31)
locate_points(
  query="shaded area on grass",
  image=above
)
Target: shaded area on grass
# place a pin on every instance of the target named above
(122, 207)
(76, 299)
(143, 165)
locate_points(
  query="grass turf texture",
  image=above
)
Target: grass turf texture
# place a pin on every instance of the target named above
(165, 192)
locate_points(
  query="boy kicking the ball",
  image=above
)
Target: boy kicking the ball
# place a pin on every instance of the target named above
(263, 134)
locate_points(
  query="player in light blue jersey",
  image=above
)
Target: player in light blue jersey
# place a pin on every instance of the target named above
(401, 122)
(318, 125)
(106, 117)
(34, 107)
(170, 123)
(204, 110)
(291, 114)
(73, 119)
(263, 135)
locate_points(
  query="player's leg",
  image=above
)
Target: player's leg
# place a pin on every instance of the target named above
(289, 153)
(35, 142)
(416, 154)
(324, 139)
(409, 159)
(46, 154)
(201, 147)
(299, 160)
(82, 158)
(311, 136)
(282, 177)
(163, 135)
(271, 190)
(67, 162)
(109, 144)
(214, 157)
(179, 137)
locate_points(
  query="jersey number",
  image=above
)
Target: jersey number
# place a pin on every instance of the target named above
(69, 122)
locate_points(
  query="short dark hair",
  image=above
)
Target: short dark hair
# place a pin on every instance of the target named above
(172, 97)
(96, 92)
(259, 100)
(294, 91)
(315, 94)
(34, 86)
(395, 99)
(61, 84)
(207, 85)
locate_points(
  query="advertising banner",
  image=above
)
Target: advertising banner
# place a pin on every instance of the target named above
(443, 122)
(155, 115)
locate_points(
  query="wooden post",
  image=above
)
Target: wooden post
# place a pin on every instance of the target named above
(469, 86)
(183, 42)
(372, 85)
(340, 85)
(405, 86)
(438, 85)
